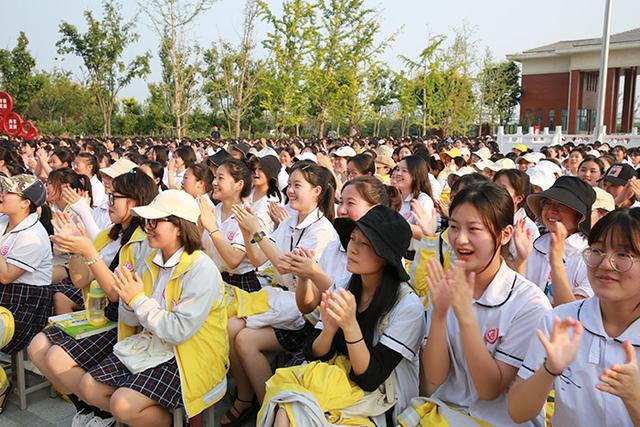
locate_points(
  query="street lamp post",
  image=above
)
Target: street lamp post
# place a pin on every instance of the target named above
(602, 78)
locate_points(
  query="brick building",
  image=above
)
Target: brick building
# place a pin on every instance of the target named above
(560, 83)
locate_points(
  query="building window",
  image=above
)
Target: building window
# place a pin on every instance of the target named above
(552, 116)
(583, 120)
(539, 118)
(563, 120)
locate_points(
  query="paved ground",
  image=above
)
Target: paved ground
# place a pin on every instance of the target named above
(45, 411)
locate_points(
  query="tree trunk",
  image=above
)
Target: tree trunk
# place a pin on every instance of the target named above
(321, 129)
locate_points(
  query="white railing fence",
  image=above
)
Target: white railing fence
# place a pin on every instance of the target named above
(536, 141)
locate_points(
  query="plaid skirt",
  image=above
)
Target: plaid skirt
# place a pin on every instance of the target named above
(247, 281)
(293, 341)
(67, 289)
(86, 352)
(160, 384)
(30, 306)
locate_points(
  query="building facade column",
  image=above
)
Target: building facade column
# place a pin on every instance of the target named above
(611, 100)
(575, 92)
(628, 99)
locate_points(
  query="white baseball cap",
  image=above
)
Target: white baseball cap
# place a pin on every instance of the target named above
(307, 156)
(344, 151)
(170, 203)
(501, 164)
(541, 177)
(529, 158)
(484, 153)
(120, 167)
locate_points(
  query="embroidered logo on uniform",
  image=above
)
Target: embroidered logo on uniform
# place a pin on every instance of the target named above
(491, 336)
(128, 266)
(231, 235)
(4, 250)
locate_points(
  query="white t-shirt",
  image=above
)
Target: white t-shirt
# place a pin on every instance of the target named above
(97, 191)
(436, 188)
(505, 312)
(230, 229)
(404, 332)
(334, 262)
(405, 210)
(314, 232)
(27, 246)
(539, 269)
(578, 402)
(260, 208)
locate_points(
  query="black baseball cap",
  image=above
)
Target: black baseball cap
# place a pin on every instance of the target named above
(619, 174)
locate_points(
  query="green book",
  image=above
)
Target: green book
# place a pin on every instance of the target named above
(77, 326)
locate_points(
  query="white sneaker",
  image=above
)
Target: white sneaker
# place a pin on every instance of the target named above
(101, 422)
(81, 420)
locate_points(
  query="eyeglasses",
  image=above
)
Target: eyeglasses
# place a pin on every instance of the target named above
(153, 223)
(111, 198)
(619, 261)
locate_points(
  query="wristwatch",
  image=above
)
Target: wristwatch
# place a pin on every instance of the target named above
(257, 237)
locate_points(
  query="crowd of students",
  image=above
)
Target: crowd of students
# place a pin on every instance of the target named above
(327, 282)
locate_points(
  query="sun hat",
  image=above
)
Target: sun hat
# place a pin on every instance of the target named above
(465, 152)
(170, 203)
(504, 163)
(384, 150)
(465, 170)
(453, 153)
(604, 200)
(483, 164)
(483, 153)
(550, 166)
(271, 166)
(619, 174)
(119, 167)
(386, 161)
(217, 158)
(267, 151)
(570, 191)
(529, 158)
(24, 185)
(344, 151)
(306, 156)
(594, 153)
(241, 147)
(541, 177)
(522, 148)
(388, 232)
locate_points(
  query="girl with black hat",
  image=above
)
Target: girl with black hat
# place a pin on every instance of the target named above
(555, 264)
(371, 329)
(480, 311)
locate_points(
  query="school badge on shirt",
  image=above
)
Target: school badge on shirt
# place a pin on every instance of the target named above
(491, 336)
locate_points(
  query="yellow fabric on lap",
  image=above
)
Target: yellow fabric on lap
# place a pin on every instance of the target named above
(244, 304)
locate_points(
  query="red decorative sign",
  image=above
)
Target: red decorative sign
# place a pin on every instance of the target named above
(6, 103)
(11, 123)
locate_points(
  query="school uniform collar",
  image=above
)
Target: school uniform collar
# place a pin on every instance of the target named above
(500, 289)
(573, 244)
(28, 222)
(590, 316)
(313, 216)
(520, 213)
(171, 262)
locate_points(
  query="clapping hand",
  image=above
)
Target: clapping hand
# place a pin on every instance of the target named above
(562, 346)
(461, 285)
(277, 212)
(342, 308)
(126, 284)
(207, 218)
(623, 380)
(439, 292)
(246, 219)
(70, 236)
(427, 221)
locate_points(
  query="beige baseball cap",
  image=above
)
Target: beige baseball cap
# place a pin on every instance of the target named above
(604, 200)
(120, 167)
(170, 203)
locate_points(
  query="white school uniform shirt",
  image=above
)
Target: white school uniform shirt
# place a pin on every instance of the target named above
(436, 188)
(403, 334)
(98, 192)
(260, 208)
(529, 225)
(314, 232)
(578, 402)
(230, 229)
(283, 179)
(539, 269)
(177, 177)
(334, 262)
(405, 210)
(506, 313)
(27, 247)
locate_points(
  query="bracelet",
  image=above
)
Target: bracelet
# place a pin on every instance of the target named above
(93, 261)
(211, 233)
(544, 365)
(354, 342)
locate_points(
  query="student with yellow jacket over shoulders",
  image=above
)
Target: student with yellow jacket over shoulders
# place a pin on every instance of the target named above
(173, 347)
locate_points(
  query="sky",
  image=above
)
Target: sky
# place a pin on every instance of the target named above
(504, 26)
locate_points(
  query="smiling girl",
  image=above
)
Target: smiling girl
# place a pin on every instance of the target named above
(480, 311)
(591, 169)
(587, 351)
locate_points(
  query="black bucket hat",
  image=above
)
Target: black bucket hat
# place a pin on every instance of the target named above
(570, 191)
(219, 157)
(388, 232)
(271, 166)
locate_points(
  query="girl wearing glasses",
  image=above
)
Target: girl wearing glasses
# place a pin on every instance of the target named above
(223, 241)
(173, 348)
(555, 263)
(62, 359)
(587, 351)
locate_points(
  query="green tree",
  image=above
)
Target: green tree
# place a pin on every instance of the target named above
(156, 117)
(289, 43)
(180, 60)
(101, 48)
(500, 90)
(17, 74)
(380, 94)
